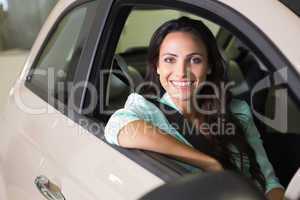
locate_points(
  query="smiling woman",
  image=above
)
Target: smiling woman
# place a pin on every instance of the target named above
(185, 65)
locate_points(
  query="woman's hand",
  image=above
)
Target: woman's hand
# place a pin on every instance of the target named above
(275, 194)
(215, 166)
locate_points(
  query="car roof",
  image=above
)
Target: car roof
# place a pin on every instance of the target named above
(272, 17)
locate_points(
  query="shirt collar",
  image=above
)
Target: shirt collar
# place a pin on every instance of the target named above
(166, 99)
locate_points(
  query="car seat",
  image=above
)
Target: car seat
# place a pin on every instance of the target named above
(246, 70)
(283, 148)
(122, 80)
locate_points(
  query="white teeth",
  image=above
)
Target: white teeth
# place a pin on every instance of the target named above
(182, 83)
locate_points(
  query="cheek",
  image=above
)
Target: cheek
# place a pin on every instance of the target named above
(165, 76)
(199, 73)
(164, 71)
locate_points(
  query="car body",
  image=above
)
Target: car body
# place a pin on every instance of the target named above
(45, 138)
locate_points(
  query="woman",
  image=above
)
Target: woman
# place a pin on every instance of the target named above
(185, 63)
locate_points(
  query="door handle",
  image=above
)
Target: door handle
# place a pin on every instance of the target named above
(49, 190)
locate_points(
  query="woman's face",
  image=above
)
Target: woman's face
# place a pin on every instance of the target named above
(182, 64)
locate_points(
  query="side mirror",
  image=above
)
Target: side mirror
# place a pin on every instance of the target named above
(209, 186)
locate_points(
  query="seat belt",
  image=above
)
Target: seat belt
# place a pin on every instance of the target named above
(184, 127)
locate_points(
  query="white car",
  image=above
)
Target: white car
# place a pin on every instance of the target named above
(76, 75)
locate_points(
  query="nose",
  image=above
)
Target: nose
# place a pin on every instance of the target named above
(182, 69)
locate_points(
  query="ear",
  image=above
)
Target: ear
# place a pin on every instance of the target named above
(157, 69)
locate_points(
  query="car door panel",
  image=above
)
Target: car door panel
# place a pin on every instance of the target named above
(52, 145)
(48, 143)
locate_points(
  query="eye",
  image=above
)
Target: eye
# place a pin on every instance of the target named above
(169, 60)
(196, 60)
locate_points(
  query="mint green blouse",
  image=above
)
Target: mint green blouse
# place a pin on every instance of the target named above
(138, 108)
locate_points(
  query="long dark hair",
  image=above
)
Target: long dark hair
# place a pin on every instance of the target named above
(221, 144)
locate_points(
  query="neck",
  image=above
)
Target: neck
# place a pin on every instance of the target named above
(185, 106)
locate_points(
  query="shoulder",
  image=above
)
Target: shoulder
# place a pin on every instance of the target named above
(140, 105)
(135, 108)
(135, 99)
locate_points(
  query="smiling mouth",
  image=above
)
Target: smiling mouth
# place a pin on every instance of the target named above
(182, 83)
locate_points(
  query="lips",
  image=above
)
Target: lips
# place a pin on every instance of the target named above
(182, 83)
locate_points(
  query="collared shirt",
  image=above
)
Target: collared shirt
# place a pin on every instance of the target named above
(138, 108)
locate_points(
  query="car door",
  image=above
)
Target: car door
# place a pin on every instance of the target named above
(45, 148)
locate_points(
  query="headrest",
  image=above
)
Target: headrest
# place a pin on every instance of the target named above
(122, 79)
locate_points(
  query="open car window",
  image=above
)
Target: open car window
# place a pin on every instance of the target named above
(132, 48)
(244, 69)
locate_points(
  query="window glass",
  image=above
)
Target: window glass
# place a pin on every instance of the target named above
(55, 66)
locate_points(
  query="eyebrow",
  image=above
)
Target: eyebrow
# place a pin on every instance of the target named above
(196, 53)
(170, 54)
(175, 55)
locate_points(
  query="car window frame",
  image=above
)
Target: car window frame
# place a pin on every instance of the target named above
(266, 50)
(232, 20)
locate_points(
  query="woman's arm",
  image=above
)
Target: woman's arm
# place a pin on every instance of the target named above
(241, 109)
(142, 135)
